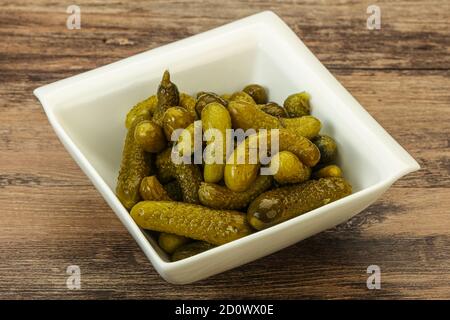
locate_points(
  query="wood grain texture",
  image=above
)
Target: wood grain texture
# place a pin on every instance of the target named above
(52, 216)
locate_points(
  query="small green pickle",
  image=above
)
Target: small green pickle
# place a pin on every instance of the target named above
(176, 118)
(171, 242)
(278, 205)
(151, 189)
(191, 220)
(257, 92)
(204, 98)
(133, 169)
(327, 147)
(174, 190)
(248, 116)
(150, 136)
(168, 96)
(215, 117)
(188, 175)
(143, 110)
(331, 170)
(219, 197)
(287, 168)
(297, 105)
(273, 109)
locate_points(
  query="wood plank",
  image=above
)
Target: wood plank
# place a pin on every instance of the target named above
(335, 31)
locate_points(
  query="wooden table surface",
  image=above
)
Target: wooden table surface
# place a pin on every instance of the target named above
(400, 74)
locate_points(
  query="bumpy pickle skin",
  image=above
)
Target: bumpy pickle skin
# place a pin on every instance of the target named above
(249, 116)
(168, 96)
(152, 189)
(219, 197)
(176, 118)
(297, 105)
(133, 169)
(242, 96)
(257, 92)
(191, 249)
(331, 170)
(192, 221)
(150, 136)
(188, 102)
(188, 176)
(239, 176)
(327, 147)
(143, 110)
(287, 168)
(278, 205)
(171, 242)
(215, 116)
(204, 98)
(164, 166)
(273, 109)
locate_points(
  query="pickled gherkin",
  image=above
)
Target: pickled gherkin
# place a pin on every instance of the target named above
(165, 167)
(219, 197)
(205, 98)
(171, 242)
(168, 96)
(327, 147)
(191, 249)
(249, 116)
(278, 205)
(188, 176)
(297, 105)
(215, 117)
(191, 220)
(133, 169)
(176, 118)
(151, 189)
(273, 109)
(143, 110)
(174, 190)
(188, 102)
(257, 92)
(331, 170)
(287, 168)
(150, 136)
(242, 96)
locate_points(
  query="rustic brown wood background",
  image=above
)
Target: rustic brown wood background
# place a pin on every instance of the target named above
(52, 216)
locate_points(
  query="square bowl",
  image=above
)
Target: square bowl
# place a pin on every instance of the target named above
(87, 112)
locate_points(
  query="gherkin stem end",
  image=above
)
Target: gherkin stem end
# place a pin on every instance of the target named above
(166, 77)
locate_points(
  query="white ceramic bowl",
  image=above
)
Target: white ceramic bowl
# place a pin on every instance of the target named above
(87, 112)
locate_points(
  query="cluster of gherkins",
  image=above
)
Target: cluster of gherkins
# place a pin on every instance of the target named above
(195, 207)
